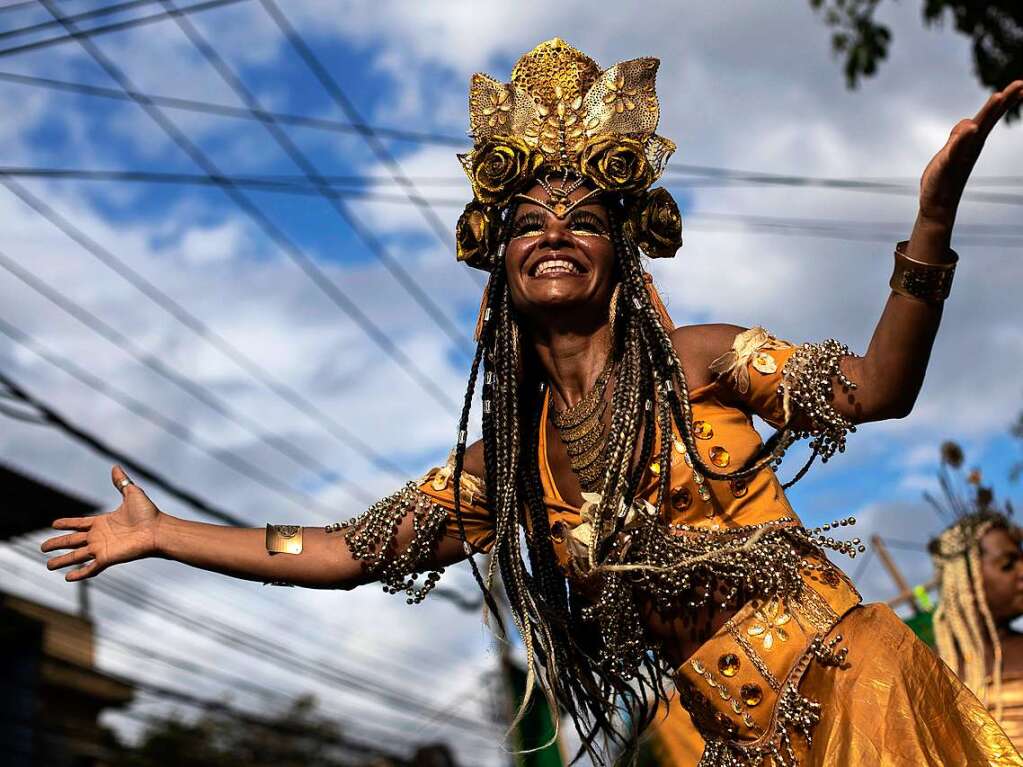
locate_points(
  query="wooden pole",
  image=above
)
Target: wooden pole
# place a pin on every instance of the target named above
(889, 564)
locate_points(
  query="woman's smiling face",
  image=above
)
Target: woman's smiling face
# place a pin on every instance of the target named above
(554, 263)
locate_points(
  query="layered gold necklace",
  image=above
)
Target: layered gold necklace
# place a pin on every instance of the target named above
(584, 433)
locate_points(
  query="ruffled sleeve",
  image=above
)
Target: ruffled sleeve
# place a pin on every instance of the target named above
(790, 385)
(437, 484)
(754, 369)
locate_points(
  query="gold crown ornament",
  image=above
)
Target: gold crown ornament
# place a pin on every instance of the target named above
(561, 116)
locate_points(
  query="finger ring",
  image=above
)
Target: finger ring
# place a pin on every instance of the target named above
(124, 483)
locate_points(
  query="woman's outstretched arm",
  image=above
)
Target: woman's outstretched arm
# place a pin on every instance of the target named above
(890, 374)
(137, 529)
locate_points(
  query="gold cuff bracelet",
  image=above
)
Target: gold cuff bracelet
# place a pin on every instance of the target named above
(925, 282)
(284, 539)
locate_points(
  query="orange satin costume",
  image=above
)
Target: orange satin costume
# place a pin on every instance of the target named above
(889, 701)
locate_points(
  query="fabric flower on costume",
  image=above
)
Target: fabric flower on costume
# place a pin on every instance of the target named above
(616, 164)
(769, 628)
(580, 537)
(500, 167)
(473, 234)
(656, 224)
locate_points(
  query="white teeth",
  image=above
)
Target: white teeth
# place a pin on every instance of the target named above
(557, 265)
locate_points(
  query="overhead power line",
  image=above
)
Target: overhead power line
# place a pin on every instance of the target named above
(137, 468)
(1009, 235)
(96, 13)
(226, 110)
(301, 403)
(347, 106)
(272, 652)
(846, 184)
(708, 174)
(312, 175)
(119, 26)
(158, 419)
(287, 246)
(124, 342)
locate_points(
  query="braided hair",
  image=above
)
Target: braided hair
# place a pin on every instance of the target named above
(963, 623)
(650, 393)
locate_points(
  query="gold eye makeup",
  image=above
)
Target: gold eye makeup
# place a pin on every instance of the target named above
(528, 225)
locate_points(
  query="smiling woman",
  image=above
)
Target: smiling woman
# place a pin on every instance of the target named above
(660, 550)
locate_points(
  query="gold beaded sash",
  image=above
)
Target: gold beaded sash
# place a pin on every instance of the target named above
(741, 686)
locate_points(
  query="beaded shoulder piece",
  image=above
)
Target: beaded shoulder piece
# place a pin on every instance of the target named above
(372, 538)
(805, 388)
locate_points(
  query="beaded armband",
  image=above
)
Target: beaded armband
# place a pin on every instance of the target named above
(372, 539)
(807, 381)
(926, 282)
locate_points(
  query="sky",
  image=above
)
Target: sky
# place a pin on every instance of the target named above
(291, 287)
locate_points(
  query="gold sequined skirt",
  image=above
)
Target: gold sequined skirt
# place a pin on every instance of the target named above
(894, 703)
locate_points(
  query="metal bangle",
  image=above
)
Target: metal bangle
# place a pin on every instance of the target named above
(926, 282)
(284, 539)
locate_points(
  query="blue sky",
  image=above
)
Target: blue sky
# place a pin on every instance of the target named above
(753, 87)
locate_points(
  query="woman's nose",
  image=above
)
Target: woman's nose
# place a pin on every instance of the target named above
(555, 233)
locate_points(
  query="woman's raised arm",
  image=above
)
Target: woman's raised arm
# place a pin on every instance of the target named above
(137, 529)
(890, 374)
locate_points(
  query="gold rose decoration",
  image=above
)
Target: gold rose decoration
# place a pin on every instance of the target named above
(656, 224)
(562, 113)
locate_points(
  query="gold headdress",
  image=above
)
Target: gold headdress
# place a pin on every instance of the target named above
(562, 114)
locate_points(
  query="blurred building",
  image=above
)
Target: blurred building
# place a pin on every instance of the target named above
(52, 694)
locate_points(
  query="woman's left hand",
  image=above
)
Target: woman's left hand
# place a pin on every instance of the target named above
(945, 176)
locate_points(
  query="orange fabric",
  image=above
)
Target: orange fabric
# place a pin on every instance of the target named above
(893, 704)
(1012, 708)
(479, 527)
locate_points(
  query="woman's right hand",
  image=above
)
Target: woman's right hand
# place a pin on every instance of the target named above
(123, 535)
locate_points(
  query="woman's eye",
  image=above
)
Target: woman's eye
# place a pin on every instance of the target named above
(528, 231)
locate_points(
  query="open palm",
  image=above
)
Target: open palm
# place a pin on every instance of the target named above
(945, 177)
(125, 534)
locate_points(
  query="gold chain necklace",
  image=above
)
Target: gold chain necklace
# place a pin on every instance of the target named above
(584, 433)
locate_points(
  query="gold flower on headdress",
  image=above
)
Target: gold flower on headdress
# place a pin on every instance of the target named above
(656, 224)
(616, 164)
(473, 234)
(500, 167)
(619, 97)
(500, 107)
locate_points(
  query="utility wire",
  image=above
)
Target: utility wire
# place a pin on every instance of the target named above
(104, 11)
(340, 98)
(51, 417)
(850, 185)
(140, 409)
(105, 29)
(225, 110)
(272, 726)
(235, 637)
(419, 667)
(312, 174)
(286, 448)
(229, 350)
(1010, 235)
(308, 265)
(706, 173)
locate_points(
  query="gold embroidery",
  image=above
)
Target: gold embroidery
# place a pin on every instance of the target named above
(772, 618)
